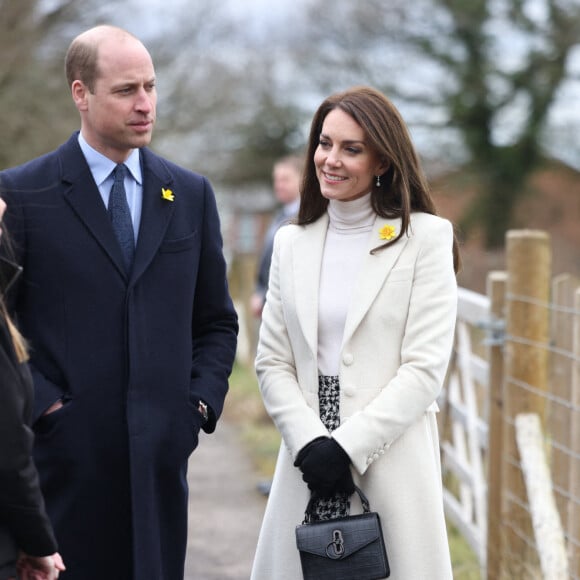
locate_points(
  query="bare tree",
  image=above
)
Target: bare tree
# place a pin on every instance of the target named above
(220, 109)
(201, 62)
(36, 111)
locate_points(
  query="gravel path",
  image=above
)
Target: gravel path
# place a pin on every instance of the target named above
(225, 508)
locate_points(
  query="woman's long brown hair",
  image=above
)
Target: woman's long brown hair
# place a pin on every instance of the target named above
(403, 188)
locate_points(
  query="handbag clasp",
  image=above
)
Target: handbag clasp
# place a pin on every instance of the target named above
(335, 549)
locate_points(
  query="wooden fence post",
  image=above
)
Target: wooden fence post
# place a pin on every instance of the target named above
(574, 484)
(528, 258)
(496, 287)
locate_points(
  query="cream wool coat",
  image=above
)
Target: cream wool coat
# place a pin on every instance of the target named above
(395, 351)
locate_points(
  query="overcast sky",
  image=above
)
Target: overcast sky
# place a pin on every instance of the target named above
(254, 15)
(148, 17)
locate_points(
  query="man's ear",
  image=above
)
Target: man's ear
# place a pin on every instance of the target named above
(80, 94)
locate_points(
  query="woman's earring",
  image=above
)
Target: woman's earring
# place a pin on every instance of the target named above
(378, 184)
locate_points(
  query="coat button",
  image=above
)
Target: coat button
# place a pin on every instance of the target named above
(349, 390)
(348, 359)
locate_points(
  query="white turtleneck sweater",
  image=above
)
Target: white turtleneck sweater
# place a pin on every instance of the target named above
(349, 228)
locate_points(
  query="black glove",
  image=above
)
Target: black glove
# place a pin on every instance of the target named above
(325, 467)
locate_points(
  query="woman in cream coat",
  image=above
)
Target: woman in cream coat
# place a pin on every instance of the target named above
(363, 289)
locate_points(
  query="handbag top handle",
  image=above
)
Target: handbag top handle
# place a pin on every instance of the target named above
(363, 498)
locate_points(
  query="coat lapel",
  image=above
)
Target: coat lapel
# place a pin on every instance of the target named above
(373, 273)
(306, 263)
(82, 194)
(156, 211)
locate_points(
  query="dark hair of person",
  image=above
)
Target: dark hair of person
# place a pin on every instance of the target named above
(296, 162)
(403, 189)
(81, 63)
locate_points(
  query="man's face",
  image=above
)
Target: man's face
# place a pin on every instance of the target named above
(286, 182)
(119, 115)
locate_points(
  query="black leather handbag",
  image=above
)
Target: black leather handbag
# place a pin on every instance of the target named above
(349, 548)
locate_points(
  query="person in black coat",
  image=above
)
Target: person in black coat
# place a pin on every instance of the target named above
(26, 537)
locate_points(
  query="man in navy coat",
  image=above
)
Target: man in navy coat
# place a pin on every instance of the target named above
(129, 359)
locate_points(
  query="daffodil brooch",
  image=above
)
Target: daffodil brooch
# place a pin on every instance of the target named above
(387, 232)
(167, 194)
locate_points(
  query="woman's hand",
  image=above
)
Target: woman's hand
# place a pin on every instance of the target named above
(325, 466)
(40, 567)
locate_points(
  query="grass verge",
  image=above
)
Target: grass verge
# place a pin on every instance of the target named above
(245, 409)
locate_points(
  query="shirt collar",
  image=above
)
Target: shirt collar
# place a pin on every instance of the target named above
(101, 166)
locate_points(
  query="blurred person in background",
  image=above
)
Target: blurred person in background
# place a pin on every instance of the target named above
(27, 540)
(356, 337)
(286, 175)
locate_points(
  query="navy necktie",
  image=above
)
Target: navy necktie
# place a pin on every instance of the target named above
(121, 216)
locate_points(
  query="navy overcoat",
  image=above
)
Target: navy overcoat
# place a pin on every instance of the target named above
(130, 356)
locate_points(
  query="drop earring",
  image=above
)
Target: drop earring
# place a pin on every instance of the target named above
(378, 183)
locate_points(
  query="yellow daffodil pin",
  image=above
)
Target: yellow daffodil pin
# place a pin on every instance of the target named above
(167, 194)
(387, 232)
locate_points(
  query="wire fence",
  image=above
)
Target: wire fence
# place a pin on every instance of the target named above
(516, 357)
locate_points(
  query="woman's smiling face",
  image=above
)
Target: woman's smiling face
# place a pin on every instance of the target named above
(345, 164)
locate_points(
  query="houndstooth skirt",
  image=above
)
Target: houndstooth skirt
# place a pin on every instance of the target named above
(338, 505)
